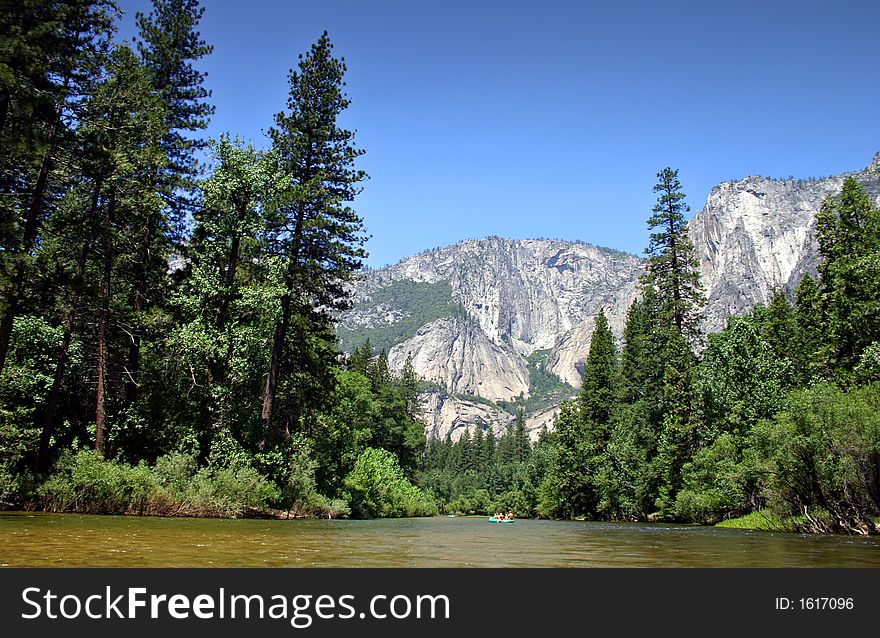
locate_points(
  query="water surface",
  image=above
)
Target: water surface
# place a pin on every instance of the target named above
(72, 540)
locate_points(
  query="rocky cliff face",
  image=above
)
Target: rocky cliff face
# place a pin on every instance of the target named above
(755, 236)
(496, 324)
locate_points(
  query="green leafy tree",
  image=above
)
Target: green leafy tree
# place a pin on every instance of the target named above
(821, 453)
(380, 489)
(740, 381)
(216, 351)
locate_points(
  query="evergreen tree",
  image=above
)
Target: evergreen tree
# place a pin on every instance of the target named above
(600, 386)
(633, 358)
(50, 56)
(409, 385)
(678, 438)
(169, 45)
(125, 126)
(118, 141)
(360, 359)
(672, 266)
(848, 232)
(779, 328)
(810, 330)
(315, 234)
(567, 490)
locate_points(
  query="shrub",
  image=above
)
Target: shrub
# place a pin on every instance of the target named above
(717, 484)
(85, 482)
(379, 488)
(230, 492)
(822, 453)
(471, 502)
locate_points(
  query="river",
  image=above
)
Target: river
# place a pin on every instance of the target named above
(70, 540)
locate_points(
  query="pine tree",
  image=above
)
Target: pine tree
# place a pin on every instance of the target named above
(810, 330)
(600, 387)
(50, 56)
(316, 234)
(672, 266)
(679, 437)
(118, 148)
(360, 359)
(568, 489)
(409, 384)
(848, 232)
(632, 359)
(779, 330)
(169, 45)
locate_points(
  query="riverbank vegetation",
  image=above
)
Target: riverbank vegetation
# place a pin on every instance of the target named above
(166, 329)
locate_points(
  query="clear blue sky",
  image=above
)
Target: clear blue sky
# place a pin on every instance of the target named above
(551, 119)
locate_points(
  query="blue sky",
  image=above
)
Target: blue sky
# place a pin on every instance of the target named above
(551, 119)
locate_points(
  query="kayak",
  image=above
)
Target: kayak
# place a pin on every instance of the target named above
(503, 520)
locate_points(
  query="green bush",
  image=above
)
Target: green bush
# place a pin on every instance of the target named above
(230, 492)
(379, 488)
(717, 484)
(822, 456)
(85, 482)
(471, 502)
(515, 501)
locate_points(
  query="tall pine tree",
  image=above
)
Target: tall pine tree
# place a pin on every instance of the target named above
(600, 388)
(169, 45)
(848, 231)
(672, 266)
(316, 234)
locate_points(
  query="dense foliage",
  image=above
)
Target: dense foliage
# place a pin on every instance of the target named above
(166, 337)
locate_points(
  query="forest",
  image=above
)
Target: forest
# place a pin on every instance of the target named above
(168, 346)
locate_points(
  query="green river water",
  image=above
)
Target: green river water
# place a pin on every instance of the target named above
(71, 540)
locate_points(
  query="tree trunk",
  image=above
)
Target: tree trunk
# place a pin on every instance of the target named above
(281, 328)
(100, 399)
(55, 393)
(139, 302)
(275, 363)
